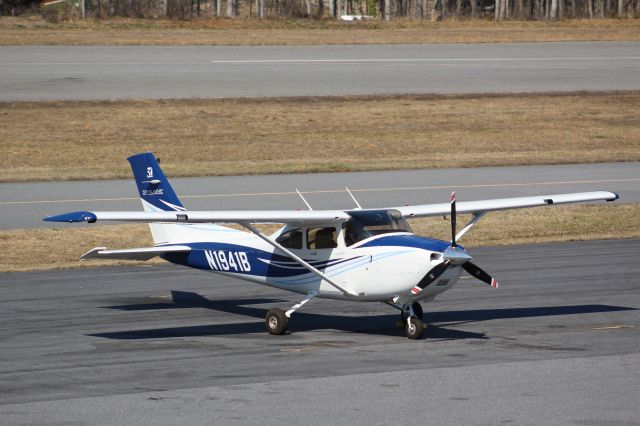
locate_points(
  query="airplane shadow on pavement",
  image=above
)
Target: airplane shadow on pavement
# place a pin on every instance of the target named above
(304, 321)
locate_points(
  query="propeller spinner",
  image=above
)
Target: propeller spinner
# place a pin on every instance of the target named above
(454, 256)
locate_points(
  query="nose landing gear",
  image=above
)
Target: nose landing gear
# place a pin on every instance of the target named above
(410, 319)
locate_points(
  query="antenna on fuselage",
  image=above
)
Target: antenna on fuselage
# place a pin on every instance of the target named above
(305, 201)
(354, 199)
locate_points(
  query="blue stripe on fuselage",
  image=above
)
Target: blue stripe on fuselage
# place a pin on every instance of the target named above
(405, 240)
(259, 260)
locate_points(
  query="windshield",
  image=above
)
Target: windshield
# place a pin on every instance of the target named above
(368, 223)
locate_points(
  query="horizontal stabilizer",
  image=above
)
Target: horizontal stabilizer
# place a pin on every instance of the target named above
(144, 253)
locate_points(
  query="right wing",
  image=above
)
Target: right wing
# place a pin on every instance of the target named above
(484, 206)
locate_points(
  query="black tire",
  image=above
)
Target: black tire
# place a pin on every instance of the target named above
(414, 328)
(276, 321)
(417, 310)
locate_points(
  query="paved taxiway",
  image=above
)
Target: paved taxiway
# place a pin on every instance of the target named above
(121, 72)
(558, 343)
(23, 205)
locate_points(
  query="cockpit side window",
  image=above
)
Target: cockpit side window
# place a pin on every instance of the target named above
(368, 223)
(321, 238)
(291, 239)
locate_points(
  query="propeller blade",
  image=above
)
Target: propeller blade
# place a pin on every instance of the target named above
(453, 219)
(431, 276)
(475, 271)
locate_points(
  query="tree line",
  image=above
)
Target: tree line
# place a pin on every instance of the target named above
(386, 9)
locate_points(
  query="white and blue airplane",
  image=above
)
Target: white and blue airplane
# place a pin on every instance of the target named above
(356, 254)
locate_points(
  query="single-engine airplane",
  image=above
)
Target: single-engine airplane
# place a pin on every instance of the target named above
(356, 254)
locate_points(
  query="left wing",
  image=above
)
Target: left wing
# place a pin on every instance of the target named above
(484, 206)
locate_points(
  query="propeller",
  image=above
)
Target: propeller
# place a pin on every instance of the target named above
(475, 271)
(454, 256)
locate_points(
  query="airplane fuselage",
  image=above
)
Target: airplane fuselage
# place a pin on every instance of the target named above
(378, 268)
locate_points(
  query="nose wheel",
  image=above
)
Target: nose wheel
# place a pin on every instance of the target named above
(412, 320)
(414, 328)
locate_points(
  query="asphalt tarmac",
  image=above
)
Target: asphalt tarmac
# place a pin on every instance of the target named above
(124, 72)
(23, 205)
(557, 343)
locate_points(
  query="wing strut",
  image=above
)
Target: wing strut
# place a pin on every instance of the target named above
(474, 219)
(298, 259)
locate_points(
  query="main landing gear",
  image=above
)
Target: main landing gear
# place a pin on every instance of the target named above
(277, 320)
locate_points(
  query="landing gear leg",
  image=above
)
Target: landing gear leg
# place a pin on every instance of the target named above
(277, 320)
(417, 309)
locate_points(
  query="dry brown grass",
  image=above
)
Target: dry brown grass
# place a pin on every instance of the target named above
(43, 249)
(90, 140)
(120, 31)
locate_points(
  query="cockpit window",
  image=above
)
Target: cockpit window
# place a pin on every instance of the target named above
(291, 239)
(321, 238)
(368, 223)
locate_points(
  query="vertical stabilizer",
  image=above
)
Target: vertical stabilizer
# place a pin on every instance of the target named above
(153, 186)
(156, 194)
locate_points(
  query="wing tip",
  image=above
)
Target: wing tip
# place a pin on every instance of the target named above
(72, 217)
(615, 197)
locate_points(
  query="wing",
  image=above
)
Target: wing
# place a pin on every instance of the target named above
(484, 206)
(304, 217)
(307, 217)
(145, 253)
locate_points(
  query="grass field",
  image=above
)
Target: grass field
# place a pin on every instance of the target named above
(120, 31)
(61, 248)
(44, 141)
